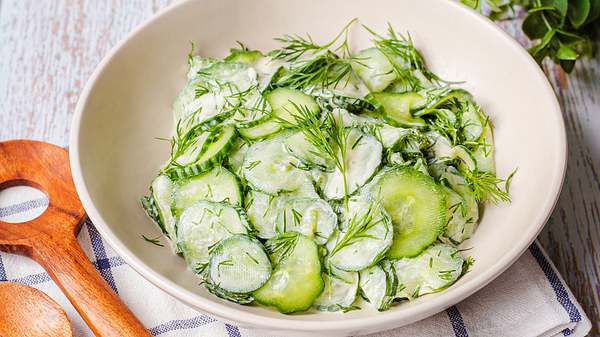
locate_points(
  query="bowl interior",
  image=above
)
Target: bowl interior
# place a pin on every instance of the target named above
(127, 103)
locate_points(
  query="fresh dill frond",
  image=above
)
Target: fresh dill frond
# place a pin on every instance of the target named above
(403, 56)
(358, 228)
(508, 180)
(324, 70)
(328, 136)
(485, 186)
(155, 241)
(315, 65)
(295, 46)
(282, 246)
(467, 264)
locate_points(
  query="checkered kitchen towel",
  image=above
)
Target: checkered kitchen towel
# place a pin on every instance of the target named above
(529, 299)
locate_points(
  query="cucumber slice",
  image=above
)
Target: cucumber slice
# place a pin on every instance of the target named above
(158, 205)
(460, 222)
(296, 280)
(466, 157)
(471, 119)
(239, 264)
(212, 156)
(340, 291)
(438, 267)
(416, 205)
(465, 210)
(396, 108)
(218, 185)
(255, 110)
(378, 285)
(365, 236)
(484, 154)
(243, 56)
(263, 209)
(284, 102)
(267, 69)
(330, 100)
(237, 75)
(386, 134)
(262, 130)
(194, 149)
(204, 224)
(297, 146)
(237, 155)
(311, 217)
(363, 156)
(374, 69)
(197, 63)
(270, 169)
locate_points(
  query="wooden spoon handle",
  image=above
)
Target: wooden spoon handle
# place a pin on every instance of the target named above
(98, 305)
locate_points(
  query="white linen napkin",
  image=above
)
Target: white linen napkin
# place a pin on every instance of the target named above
(529, 299)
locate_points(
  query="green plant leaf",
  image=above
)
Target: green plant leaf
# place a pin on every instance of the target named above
(471, 3)
(542, 49)
(567, 65)
(566, 53)
(594, 11)
(578, 12)
(534, 26)
(560, 5)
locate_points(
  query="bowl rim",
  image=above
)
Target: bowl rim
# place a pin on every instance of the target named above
(238, 315)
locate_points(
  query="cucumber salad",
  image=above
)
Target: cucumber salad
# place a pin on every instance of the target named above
(314, 176)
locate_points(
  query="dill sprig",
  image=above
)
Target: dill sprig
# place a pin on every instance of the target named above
(312, 64)
(155, 241)
(485, 186)
(282, 245)
(358, 227)
(403, 56)
(323, 70)
(328, 136)
(296, 46)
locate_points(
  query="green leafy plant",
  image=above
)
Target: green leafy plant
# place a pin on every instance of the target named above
(562, 29)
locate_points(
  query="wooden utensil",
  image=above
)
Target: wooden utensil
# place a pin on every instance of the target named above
(29, 312)
(51, 239)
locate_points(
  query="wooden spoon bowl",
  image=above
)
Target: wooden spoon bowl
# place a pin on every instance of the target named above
(32, 313)
(51, 239)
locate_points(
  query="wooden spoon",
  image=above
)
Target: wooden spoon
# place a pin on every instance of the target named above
(51, 239)
(31, 313)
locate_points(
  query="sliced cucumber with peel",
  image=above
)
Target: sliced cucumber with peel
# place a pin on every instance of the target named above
(396, 108)
(284, 104)
(435, 269)
(365, 236)
(296, 279)
(378, 284)
(363, 157)
(239, 264)
(311, 217)
(465, 214)
(297, 146)
(374, 69)
(270, 169)
(417, 206)
(341, 288)
(212, 156)
(203, 225)
(158, 205)
(216, 185)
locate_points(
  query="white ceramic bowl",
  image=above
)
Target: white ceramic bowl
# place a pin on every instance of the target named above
(127, 102)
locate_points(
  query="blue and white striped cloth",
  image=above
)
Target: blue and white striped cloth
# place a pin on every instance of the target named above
(529, 299)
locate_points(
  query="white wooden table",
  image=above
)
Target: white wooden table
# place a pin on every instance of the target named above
(48, 48)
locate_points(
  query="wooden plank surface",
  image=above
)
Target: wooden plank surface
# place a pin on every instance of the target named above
(48, 48)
